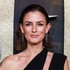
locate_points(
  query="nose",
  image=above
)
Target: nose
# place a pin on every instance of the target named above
(34, 28)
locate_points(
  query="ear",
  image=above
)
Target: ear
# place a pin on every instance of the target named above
(48, 27)
(21, 28)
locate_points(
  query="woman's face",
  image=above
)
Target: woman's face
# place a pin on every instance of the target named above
(34, 27)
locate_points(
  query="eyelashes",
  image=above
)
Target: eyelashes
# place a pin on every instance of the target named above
(40, 24)
(27, 24)
(30, 24)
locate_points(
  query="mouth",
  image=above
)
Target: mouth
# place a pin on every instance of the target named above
(34, 36)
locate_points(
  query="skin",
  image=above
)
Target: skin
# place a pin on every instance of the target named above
(34, 27)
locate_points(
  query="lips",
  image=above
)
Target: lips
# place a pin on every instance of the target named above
(34, 36)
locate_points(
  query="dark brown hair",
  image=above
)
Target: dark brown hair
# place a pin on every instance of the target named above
(21, 43)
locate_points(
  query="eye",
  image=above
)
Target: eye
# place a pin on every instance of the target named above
(40, 24)
(28, 24)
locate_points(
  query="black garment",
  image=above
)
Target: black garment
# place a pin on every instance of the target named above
(57, 62)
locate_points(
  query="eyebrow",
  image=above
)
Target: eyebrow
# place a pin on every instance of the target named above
(27, 21)
(31, 22)
(41, 21)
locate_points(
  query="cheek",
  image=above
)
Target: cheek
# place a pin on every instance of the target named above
(26, 30)
(42, 33)
(26, 33)
(42, 30)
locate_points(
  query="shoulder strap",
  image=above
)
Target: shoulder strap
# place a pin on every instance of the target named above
(38, 62)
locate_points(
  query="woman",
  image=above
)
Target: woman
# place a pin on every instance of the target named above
(33, 25)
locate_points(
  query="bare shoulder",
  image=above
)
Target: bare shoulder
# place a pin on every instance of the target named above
(66, 65)
(8, 60)
(13, 62)
(12, 59)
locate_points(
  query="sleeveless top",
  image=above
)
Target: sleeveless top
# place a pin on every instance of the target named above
(37, 63)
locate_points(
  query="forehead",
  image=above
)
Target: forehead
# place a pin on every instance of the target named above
(35, 11)
(34, 15)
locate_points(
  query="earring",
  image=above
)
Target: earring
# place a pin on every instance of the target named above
(46, 37)
(22, 37)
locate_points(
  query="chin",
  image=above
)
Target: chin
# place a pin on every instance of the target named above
(35, 42)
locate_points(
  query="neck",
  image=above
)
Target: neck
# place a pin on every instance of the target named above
(34, 48)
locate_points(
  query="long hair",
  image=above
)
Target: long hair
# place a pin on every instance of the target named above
(21, 43)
